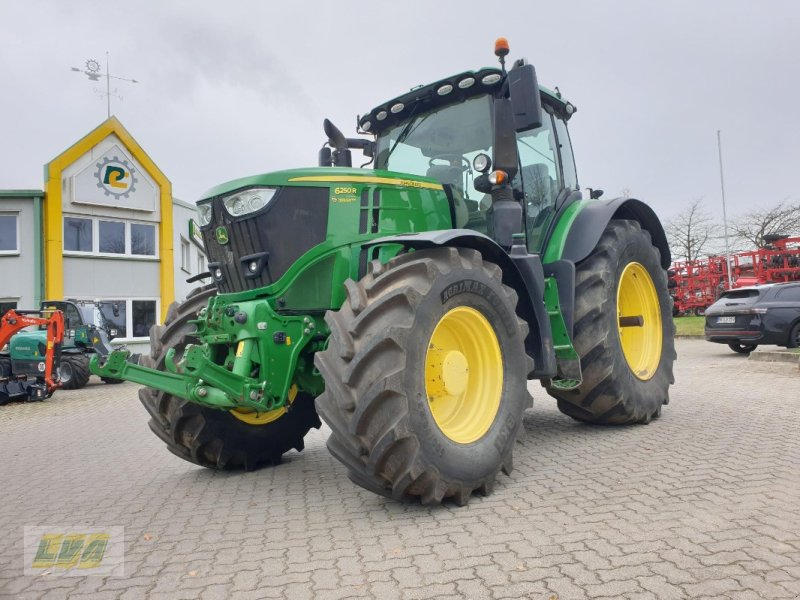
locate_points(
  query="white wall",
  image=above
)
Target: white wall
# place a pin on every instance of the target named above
(182, 212)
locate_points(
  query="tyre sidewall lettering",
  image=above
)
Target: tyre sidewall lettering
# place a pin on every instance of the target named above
(449, 297)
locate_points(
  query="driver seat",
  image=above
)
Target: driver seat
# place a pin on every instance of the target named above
(453, 180)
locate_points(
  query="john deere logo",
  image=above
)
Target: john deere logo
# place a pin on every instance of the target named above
(222, 235)
(115, 177)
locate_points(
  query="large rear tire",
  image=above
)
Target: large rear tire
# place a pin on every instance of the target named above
(424, 374)
(212, 438)
(626, 362)
(73, 371)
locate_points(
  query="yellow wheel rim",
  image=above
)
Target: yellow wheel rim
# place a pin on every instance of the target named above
(464, 375)
(639, 321)
(252, 417)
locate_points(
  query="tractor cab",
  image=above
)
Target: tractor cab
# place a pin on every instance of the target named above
(89, 327)
(81, 318)
(468, 130)
(452, 140)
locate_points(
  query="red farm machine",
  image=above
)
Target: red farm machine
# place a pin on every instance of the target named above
(696, 284)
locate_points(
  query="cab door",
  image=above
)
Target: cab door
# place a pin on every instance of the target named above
(547, 177)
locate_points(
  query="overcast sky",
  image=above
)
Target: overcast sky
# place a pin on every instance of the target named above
(236, 88)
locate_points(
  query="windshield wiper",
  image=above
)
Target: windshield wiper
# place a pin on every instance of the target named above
(406, 131)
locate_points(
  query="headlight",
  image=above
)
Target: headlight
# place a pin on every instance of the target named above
(482, 163)
(204, 214)
(247, 201)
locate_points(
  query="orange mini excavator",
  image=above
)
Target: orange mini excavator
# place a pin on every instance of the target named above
(17, 382)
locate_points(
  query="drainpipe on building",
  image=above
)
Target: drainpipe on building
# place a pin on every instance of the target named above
(38, 252)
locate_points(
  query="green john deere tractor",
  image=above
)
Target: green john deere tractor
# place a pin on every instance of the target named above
(409, 304)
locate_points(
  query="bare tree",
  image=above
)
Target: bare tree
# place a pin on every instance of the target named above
(690, 230)
(753, 227)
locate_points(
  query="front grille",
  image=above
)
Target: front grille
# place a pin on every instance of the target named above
(294, 221)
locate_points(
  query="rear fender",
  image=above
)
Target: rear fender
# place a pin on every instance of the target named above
(589, 224)
(527, 279)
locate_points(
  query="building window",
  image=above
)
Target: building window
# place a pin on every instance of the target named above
(104, 237)
(201, 262)
(185, 255)
(113, 314)
(143, 239)
(111, 237)
(7, 305)
(130, 319)
(8, 234)
(77, 235)
(143, 316)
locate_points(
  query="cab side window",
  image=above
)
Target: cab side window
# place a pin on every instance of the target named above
(567, 160)
(538, 178)
(72, 318)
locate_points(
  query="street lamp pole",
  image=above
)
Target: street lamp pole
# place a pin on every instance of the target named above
(724, 212)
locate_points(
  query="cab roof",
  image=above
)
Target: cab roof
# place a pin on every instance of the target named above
(449, 90)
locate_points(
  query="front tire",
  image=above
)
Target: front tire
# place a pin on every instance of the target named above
(211, 438)
(73, 371)
(626, 363)
(425, 376)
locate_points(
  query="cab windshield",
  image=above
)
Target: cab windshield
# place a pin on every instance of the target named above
(440, 144)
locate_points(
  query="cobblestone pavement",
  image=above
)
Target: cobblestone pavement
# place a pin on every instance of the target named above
(703, 503)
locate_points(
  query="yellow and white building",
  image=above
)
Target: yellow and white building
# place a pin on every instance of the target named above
(106, 228)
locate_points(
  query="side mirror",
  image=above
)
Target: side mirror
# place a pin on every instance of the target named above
(505, 137)
(526, 103)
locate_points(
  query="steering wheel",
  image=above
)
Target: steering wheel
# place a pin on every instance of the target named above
(450, 158)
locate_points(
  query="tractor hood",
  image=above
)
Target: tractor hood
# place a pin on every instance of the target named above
(321, 177)
(254, 229)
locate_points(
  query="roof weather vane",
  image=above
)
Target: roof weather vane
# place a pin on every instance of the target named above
(92, 71)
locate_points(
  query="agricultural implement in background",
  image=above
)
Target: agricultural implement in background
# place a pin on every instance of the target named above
(83, 338)
(697, 284)
(409, 304)
(28, 371)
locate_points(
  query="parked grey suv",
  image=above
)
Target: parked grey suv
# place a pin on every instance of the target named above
(748, 317)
